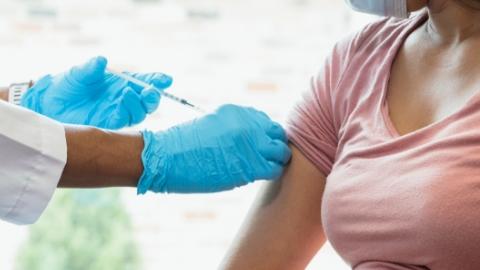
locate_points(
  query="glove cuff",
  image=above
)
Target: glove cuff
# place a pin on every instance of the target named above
(32, 99)
(154, 165)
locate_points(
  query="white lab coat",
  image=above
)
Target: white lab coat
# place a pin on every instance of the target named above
(33, 154)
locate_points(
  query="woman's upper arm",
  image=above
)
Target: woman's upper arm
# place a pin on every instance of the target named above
(284, 228)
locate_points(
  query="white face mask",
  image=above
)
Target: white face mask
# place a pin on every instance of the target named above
(388, 8)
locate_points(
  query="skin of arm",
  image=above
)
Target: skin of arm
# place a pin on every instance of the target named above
(98, 158)
(4, 93)
(284, 228)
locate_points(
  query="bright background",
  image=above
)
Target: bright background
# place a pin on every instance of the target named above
(259, 53)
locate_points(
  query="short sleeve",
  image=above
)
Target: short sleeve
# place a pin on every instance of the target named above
(314, 123)
(33, 153)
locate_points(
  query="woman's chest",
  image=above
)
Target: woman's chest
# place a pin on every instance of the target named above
(426, 87)
(406, 202)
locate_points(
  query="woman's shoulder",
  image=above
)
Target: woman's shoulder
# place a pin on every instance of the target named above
(371, 44)
(383, 32)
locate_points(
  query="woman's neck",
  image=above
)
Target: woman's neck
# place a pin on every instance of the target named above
(452, 22)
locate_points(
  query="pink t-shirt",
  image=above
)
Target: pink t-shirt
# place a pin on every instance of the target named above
(391, 201)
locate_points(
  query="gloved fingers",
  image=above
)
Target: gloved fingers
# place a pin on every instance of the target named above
(274, 171)
(260, 116)
(276, 151)
(150, 99)
(276, 132)
(132, 102)
(120, 118)
(91, 72)
(273, 129)
(159, 80)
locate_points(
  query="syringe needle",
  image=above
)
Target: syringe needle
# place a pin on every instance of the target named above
(146, 85)
(183, 101)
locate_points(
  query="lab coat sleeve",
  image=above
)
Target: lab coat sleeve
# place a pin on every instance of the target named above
(33, 154)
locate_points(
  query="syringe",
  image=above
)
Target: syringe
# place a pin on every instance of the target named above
(147, 86)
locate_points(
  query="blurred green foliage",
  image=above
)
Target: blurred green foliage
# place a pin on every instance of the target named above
(81, 230)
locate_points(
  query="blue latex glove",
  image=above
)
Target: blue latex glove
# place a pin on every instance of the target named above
(230, 148)
(90, 95)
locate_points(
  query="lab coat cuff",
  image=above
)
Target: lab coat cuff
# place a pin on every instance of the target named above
(42, 179)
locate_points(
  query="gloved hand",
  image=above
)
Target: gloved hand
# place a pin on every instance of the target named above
(90, 95)
(230, 148)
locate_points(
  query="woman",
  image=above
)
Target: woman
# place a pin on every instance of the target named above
(386, 151)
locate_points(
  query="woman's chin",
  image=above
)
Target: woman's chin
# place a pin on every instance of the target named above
(414, 5)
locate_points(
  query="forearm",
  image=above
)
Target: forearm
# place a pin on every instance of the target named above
(98, 158)
(284, 228)
(4, 93)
